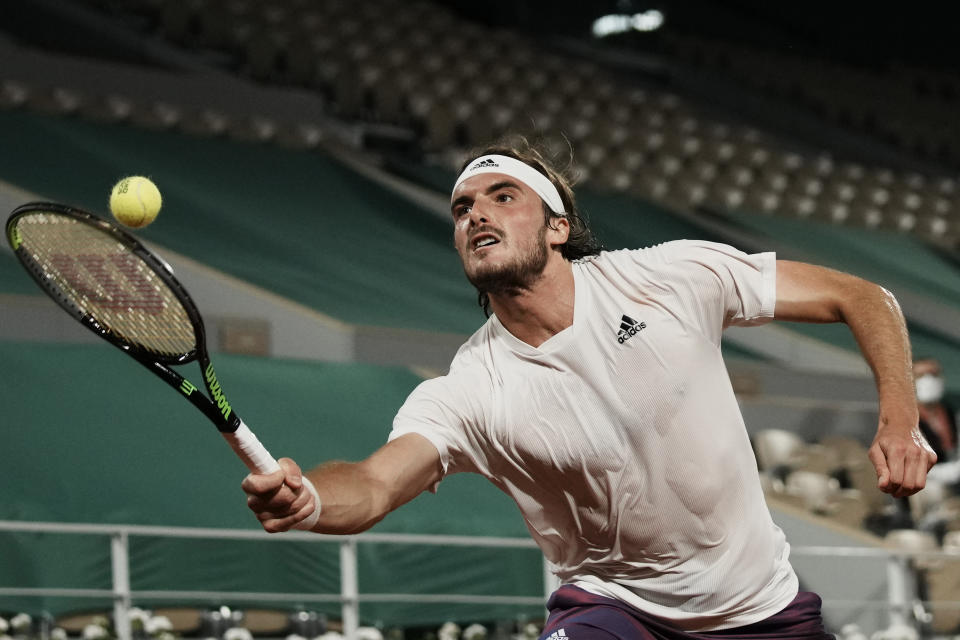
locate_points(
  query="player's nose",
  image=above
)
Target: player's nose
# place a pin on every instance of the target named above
(479, 213)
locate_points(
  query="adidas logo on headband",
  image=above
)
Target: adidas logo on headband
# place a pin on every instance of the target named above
(523, 172)
(486, 162)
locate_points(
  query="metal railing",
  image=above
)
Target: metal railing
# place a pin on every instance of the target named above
(349, 597)
(899, 604)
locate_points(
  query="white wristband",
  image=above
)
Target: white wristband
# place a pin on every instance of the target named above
(308, 523)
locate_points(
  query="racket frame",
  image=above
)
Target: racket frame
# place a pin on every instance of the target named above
(215, 407)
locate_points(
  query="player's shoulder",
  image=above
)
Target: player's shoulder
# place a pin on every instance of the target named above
(651, 256)
(669, 252)
(469, 373)
(470, 360)
(472, 352)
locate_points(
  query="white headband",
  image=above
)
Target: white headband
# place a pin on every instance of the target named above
(519, 170)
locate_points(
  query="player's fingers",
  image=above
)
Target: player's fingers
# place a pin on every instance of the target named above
(906, 484)
(279, 501)
(283, 501)
(930, 456)
(915, 471)
(917, 458)
(920, 473)
(880, 464)
(284, 511)
(273, 525)
(264, 516)
(262, 483)
(300, 500)
(285, 523)
(895, 457)
(292, 473)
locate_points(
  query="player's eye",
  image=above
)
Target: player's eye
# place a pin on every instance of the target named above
(504, 197)
(461, 210)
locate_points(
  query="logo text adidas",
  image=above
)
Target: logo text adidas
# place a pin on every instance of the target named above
(629, 328)
(486, 162)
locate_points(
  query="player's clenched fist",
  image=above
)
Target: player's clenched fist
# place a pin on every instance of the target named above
(282, 500)
(902, 459)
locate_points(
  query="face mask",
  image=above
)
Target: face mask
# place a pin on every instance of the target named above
(929, 388)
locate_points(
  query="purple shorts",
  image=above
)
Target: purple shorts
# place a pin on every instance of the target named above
(576, 614)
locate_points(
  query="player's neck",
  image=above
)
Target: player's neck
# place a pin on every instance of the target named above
(536, 314)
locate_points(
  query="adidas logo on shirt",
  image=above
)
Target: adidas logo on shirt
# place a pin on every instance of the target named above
(557, 635)
(629, 328)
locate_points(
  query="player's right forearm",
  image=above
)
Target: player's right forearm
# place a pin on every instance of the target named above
(351, 500)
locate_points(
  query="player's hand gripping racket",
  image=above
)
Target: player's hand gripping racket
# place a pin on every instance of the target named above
(114, 286)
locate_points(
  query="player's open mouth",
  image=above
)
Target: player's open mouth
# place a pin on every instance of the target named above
(483, 240)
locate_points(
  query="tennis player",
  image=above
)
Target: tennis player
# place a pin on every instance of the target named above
(596, 397)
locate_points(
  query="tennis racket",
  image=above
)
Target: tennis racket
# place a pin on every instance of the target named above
(115, 287)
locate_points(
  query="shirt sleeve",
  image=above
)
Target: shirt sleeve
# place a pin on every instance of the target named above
(439, 411)
(720, 286)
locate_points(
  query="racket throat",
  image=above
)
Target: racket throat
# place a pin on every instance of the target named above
(217, 395)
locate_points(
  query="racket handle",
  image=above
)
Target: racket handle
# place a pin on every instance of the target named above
(249, 449)
(258, 459)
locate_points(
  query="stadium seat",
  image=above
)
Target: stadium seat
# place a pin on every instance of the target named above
(159, 115)
(776, 448)
(816, 489)
(59, 101)
(914, 541)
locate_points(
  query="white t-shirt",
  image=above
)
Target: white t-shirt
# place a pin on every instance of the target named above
(620, 437)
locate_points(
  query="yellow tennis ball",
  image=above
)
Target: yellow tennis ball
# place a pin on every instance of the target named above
(135, 201)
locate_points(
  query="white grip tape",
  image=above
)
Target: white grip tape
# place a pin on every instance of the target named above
(249, 449)
(307, 524)
(258, 460)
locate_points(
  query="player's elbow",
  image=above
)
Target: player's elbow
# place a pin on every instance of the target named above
(889, 300)
(865, 297)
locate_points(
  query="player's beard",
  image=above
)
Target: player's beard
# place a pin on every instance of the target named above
(514, 276)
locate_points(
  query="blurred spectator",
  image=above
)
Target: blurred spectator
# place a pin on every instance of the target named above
(938, 419)
(938, 424)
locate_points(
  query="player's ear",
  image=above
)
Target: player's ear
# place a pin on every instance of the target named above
(558, 231)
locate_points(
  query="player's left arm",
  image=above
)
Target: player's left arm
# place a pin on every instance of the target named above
(810, 293)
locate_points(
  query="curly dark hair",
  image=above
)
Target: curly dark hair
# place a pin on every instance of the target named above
(581, 242)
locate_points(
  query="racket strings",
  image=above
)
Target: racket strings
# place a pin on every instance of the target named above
(104, 279)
